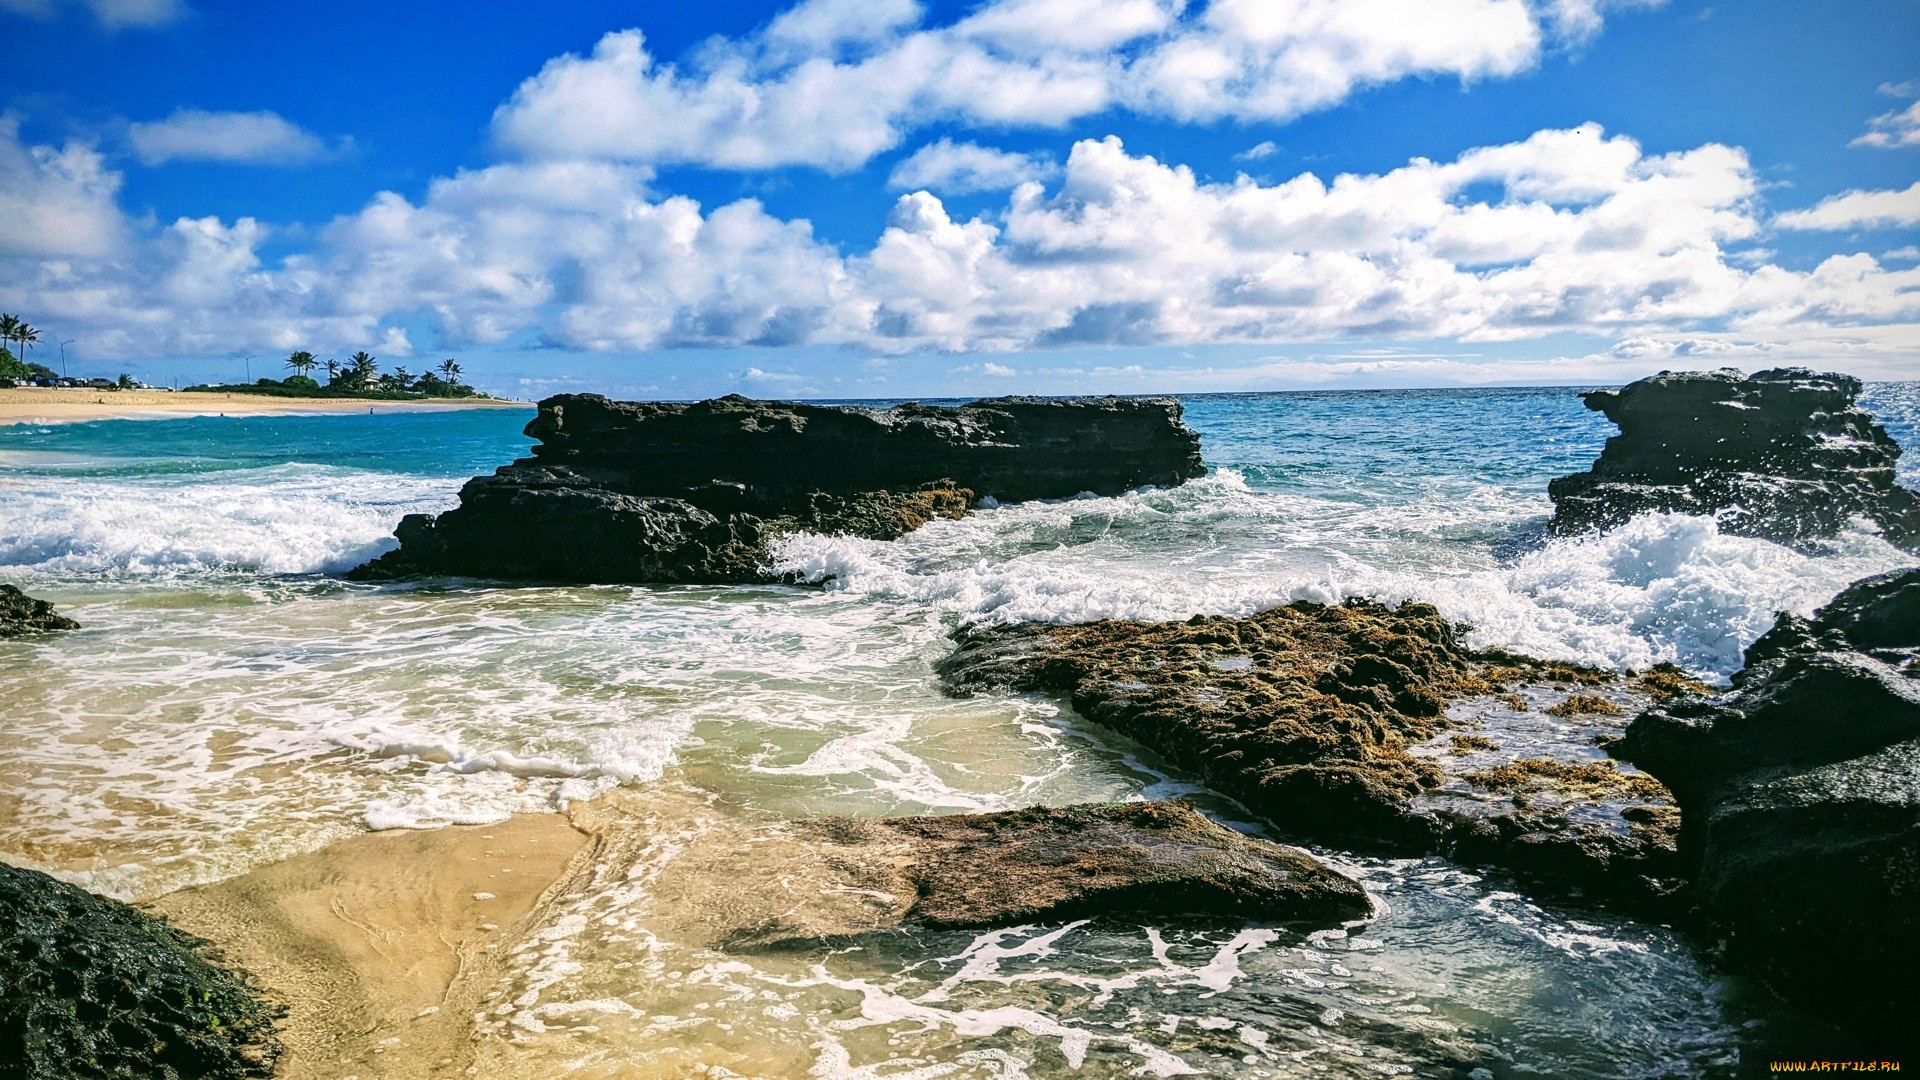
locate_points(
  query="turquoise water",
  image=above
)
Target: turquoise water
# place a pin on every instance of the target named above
(232, 700)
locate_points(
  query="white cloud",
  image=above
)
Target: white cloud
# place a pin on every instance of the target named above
(259, 138)
(1898, 128)
(1858, 209)
(1257, 152)
(57, 203)
(112, 14)
(829, 85)
(962, 168)
(1564, 231)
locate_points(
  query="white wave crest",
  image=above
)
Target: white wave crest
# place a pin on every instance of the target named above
(288, 519)
(1661, 588)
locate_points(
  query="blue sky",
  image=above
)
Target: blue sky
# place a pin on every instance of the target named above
(825, 199)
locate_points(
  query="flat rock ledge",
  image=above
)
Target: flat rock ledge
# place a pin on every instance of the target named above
(800, 883)
(1800, 797)
(1324, 719)
(972, 871)
(626, 492)
(90, 987)
(21, 614)
(1783, 455)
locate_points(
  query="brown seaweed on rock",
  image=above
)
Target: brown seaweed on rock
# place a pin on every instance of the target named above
(1306, 714)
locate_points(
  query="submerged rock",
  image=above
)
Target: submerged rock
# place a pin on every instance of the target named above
(1800, 796)
(1783, 455)
(1309, 715)
(23, 614)
(763, 883)
(643, 492)
(90, 987)
(984, 870)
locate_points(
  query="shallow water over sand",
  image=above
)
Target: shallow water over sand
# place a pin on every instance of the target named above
(229, 703)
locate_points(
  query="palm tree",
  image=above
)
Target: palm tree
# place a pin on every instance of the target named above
(9, 327)
(450, 371)
(333, 370)
(26, 335)
(301, 362)
(402, 378)
(361, 369)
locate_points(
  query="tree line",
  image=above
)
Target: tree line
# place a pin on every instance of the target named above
(16, 331)
(360, 374)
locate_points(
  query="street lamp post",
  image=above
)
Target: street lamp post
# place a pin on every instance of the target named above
(63, 355)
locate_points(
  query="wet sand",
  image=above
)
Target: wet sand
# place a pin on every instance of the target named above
(40, 405)
(381, 945)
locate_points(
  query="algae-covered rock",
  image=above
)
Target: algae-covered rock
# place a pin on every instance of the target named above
(1784, 455)
(23, 614)
(90, 987)
(1311, 714)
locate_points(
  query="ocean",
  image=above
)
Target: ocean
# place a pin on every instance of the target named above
(232, 701)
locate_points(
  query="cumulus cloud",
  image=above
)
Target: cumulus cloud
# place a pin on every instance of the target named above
(1258, 151)
(1568, 230)
(1858, 210)
(832, 83)
(257, 138)
(1898, 128)
(57, 203)
(962, 168)
(112, 14)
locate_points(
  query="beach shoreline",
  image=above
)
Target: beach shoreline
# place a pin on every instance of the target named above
(380, 945)
(46, 405)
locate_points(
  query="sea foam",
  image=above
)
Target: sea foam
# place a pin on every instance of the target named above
(1663, 588)
(284, 519)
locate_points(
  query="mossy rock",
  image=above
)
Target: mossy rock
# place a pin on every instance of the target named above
(90, 987)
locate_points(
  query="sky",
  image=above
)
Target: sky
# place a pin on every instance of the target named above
(891, 198)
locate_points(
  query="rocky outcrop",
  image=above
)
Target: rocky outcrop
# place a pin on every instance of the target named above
(23, 614)
(90, 987)
(756, 883)
(1784, 455)
(1800, 796)
(976, 871)
(643, 492)
(1313, 716)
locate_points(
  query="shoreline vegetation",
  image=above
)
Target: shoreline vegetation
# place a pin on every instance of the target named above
(359, 378)
(35, 393)
(52, 405)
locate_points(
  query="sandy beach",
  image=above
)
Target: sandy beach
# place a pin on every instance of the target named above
(381, 945)
(41, 405)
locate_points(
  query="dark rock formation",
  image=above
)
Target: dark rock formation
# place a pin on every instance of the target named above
(1308, 713)
(759, 882)
(1045, 863)
(1800, 796)
(1784, 455)
(89, 987)
(631, 492)
(22, 614)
